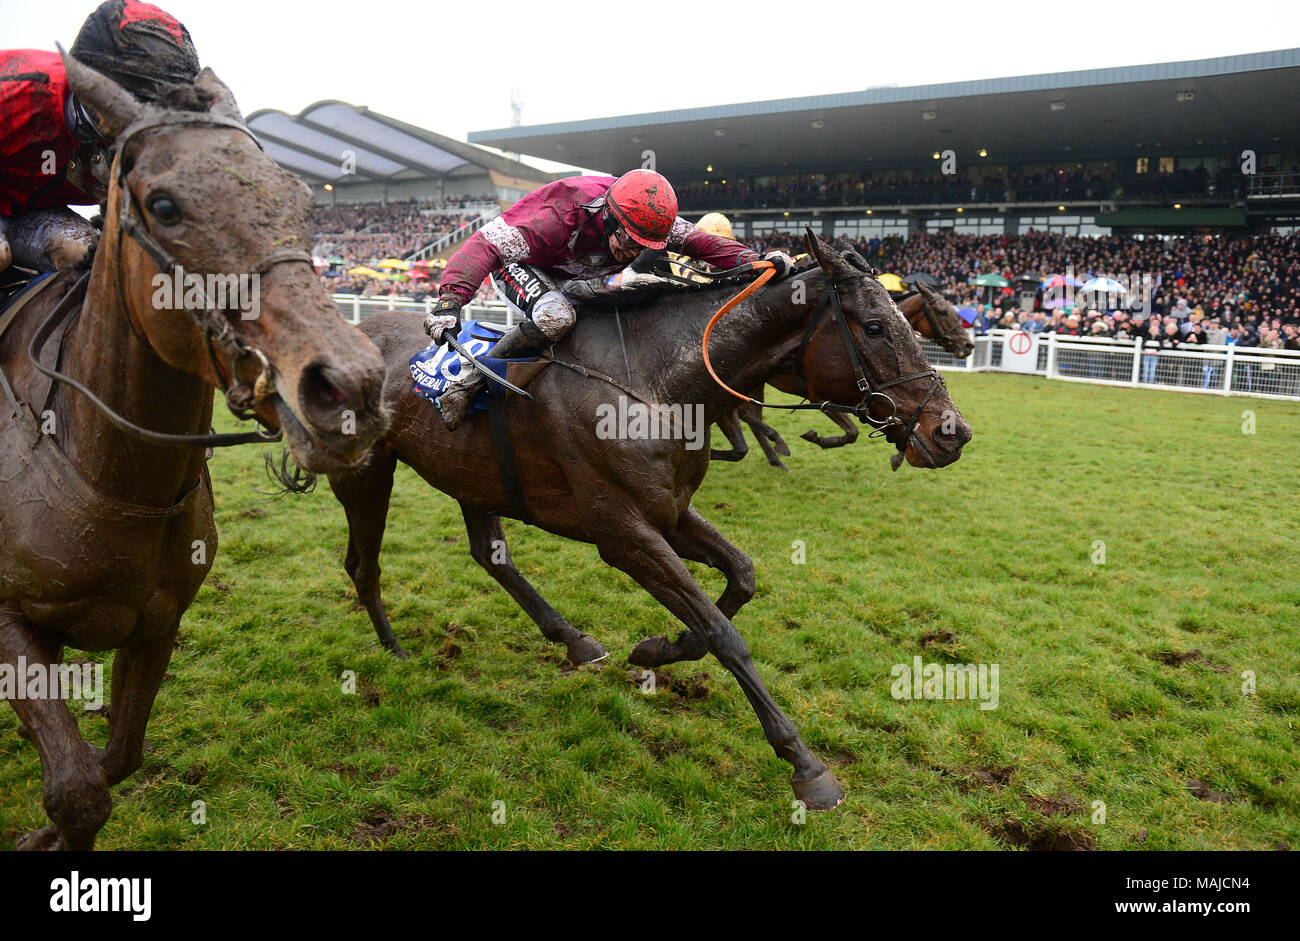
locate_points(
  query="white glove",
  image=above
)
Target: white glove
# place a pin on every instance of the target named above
(784, 263)
(435, 324)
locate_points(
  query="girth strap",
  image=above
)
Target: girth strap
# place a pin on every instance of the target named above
(499, 423)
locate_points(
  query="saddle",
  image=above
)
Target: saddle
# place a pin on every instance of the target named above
(435, 368)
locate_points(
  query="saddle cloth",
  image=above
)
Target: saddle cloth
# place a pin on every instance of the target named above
(435, 368)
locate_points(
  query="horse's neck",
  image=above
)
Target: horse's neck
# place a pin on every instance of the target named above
(748, 346)
(102, 351)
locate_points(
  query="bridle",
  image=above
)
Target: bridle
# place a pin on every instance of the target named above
(220, 338)
(873, 391)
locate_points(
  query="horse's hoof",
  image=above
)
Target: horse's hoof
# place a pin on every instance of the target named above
(586, 649)
(782, 448)
(821, 793)
(396, 650)
(650, 652)
(812, 436)
(44, 839)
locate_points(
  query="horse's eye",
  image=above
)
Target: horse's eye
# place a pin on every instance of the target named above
(164, 209)
(874, 329)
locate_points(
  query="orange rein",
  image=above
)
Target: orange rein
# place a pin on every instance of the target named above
(730, 305)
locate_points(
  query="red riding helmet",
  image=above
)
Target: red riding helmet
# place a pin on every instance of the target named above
(645, 205)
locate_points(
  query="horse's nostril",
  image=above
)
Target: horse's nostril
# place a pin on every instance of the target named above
(321, 390)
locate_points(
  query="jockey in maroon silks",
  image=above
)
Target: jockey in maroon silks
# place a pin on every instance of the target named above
(551, 242)
(51, 153)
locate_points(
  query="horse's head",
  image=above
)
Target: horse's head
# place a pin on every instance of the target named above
(902, 395)
(209, 238)
(946, 327)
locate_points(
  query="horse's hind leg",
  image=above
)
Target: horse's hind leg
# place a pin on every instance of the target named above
(697, 540)
(637, 549)
(836, 441)
(137, 673)
(76, 791)
(487, 543)
(729, 425)
(364, 495)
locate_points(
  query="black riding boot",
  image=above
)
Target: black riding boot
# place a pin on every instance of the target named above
(523, 339)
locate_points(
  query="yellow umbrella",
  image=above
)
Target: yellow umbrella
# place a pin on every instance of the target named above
(395, 263)
(892, 282)
(367, 272)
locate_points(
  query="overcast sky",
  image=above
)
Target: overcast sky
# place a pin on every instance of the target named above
(451, 68)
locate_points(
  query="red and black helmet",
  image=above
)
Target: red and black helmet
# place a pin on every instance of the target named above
(645, 205)
(139, 46)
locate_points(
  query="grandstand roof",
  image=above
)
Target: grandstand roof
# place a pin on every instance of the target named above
(1237, 101)
(313, 144)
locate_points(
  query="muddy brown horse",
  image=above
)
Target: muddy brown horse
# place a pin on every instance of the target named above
(106, 526)
(632, 497)
(930, 314)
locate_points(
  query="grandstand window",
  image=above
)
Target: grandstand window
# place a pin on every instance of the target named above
(1142, 164)
(1166, 165)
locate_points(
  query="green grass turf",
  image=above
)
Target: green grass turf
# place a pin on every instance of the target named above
(988, 561)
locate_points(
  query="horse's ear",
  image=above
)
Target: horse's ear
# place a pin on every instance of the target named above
(223, 101)
(113, 107)
(818, 249)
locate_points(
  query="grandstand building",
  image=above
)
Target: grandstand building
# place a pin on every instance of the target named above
(1205, 145)
(350, 154)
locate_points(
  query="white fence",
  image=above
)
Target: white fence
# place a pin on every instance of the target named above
(356, 309)
(1223, 370)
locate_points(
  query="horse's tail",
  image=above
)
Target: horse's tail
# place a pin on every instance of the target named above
(287, 476)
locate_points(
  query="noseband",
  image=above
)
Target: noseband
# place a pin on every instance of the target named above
(220, 339)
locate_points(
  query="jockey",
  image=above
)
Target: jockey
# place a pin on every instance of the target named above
(711, 223)
(51, 153)
(574, 229)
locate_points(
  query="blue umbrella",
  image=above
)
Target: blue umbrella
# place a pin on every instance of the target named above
(1105, 286)
(967, 314)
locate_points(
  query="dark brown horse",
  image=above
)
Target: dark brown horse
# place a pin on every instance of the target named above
(631, 496)
(106, 528)
(930, 314)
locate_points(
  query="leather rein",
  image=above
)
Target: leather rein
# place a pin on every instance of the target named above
(873, 393)
(218, 334)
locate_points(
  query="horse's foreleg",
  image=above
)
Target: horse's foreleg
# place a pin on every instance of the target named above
(837, 441)
(763, 432)
(76, 791)
(487, 543)
(729, 425)
(137, 673)
(697, 540)
(365, 495)
(638, 549)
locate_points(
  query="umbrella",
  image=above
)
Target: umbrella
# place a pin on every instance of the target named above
(439, 263)
(395, 263)
(967, 314)
(1105, 286)
(920, 277)
(416, 274)
(366, 272)
(1060, 281)
(996, 280)
(1033, 276)
(319, 263)
(335, 260)
(892, 282)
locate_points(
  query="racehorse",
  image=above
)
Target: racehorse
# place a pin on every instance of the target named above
(929, 313)
(106, 526)
(631, 495)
